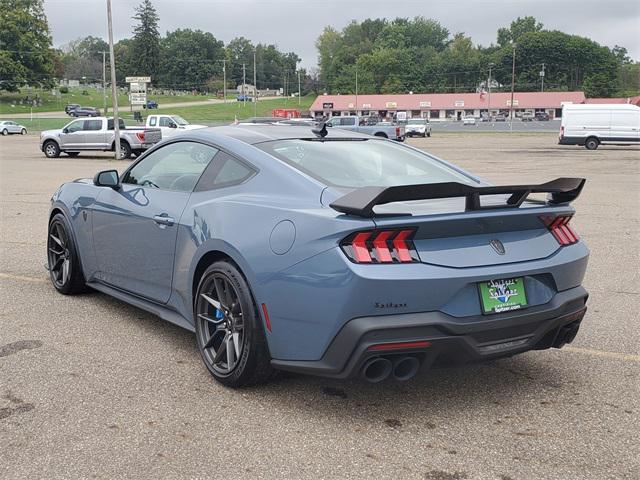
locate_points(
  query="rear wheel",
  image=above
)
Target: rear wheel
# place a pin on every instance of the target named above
(591, 143)
(429, 134)
(51, 149)
(125, 151)
(5, 132)
(63, 260)
(229, 330)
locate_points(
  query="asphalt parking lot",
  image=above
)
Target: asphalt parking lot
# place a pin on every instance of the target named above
(93, 388)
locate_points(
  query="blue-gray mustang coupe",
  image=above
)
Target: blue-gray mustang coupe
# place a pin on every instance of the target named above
(324, 252)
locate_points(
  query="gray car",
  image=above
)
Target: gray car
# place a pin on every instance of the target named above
(7, 127)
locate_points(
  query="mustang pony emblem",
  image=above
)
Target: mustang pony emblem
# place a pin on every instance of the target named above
(497, 246)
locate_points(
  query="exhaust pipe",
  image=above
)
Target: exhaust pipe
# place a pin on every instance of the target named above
(376, 369)
(405, 368)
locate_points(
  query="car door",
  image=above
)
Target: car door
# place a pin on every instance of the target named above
(625, 125)
(72, 136)
(13, 127)
(94, 134)
(135, 227)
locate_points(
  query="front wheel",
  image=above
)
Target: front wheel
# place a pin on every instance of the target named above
(51, 149)
(429, 134)
(63, 260)
(23, 131)
(229, 329)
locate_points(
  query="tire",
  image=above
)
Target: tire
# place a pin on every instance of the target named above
(72, 154)
(235, 352)
(137, 153)
(591, 143)
(429, 134)
(424, 134)
(23, 131)
(5, 132)
(125, 150)
(51, 149)
(62, 250)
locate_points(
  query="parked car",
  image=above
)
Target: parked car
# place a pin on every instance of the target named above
(8, 127)
(69, 107)
(501, 117)
(97, 134)
(418, 127)
(300, 122)
(469, 120)
(150, 105)
(352, 123)
(542, 116)
(259, 120)
(282, 252)
(244, 98)
(171, 124)
(593, 125)
(84, 112)
(527, 117)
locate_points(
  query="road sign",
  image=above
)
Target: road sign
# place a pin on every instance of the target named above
(138, 79)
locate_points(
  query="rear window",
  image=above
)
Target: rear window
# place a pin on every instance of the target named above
(417, 121)
(361, 163)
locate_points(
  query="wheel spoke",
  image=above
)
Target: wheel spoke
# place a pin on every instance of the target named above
(53, 250)
(221, 291)
(213, 302)
(56, 239)
(215, 321)
(230, 352)
(221, 350)
(65, 271)
(56, 265)
(236, 343)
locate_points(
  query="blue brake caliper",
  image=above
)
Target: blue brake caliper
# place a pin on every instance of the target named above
(219, 314)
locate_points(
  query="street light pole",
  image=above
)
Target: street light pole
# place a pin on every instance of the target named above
(489, 85)
(104, 83)
(244, 83)
(513, 83)
(299, 91)
(114, 92)
(356, 88)
(542, 78)
(255, 87)
(224, 80)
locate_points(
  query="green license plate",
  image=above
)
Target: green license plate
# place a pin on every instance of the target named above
(502, 295)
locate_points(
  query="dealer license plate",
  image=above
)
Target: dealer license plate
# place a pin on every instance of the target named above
(502, 295)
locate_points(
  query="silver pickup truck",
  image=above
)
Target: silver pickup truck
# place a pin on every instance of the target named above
(93, 134)
(357, 124)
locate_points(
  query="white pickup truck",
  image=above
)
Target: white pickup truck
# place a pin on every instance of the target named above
(171, 124)
(97, 133)
(359, 124)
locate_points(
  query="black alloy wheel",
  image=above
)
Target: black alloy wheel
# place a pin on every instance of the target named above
(229, 330)
(63, 262)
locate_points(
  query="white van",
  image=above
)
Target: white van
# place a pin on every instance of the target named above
(592, 125)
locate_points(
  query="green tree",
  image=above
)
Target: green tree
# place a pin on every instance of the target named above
(146, 40)
(190, 58)
(518, 27)
(25, 45)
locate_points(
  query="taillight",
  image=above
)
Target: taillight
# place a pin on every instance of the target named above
(561, 132)
(140, 136)
(381, 246)
(397, 132)
(560, 229)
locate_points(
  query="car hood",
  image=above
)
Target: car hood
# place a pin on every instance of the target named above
(47, 133)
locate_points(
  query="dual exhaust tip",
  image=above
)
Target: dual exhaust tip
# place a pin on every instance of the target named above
(401, 368)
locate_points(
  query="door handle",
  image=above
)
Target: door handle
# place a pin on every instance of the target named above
(164, 219)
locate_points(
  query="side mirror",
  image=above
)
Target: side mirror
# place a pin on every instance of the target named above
(65, 130)
(173, 125)
(107, 178)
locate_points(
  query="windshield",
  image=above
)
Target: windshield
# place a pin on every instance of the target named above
(417, 121)
(360, 163)
(178, 120)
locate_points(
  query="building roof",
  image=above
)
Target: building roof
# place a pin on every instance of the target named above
(609, 101)
(447, 101)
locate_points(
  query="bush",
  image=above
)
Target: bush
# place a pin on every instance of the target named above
(64, 89)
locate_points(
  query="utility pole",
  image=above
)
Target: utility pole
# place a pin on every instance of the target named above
(224, 79)
(255, 87)
(489, 86)
(114, 92)
(299, 91)
(104, 82)
(513, 84)
(356, 88)
(542, 79)
(244, 83)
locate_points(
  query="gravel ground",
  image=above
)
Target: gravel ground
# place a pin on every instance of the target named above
(93, 388)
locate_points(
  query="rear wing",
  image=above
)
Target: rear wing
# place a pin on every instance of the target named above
(361, 202)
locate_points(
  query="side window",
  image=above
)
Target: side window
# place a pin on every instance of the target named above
(153, 121)
(92, 125)
(165, 121)
(225, 171)
(110, 124)
(176, 166)
(75, 126)
(350, 121)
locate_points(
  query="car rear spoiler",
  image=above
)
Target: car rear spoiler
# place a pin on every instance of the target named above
(361, 202)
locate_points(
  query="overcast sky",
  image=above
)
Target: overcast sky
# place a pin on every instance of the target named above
(294, 25)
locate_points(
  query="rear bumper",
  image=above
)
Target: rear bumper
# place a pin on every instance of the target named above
(452, 340)
(572, 140)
